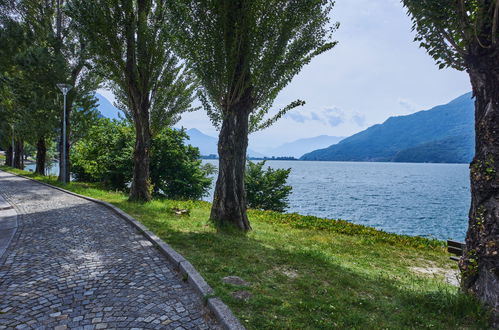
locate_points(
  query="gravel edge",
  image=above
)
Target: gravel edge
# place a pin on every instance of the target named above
(222, 312)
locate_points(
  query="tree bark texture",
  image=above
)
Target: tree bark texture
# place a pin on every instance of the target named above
(18, 154)
(41, 156)
(8, 156)
(229, 202)
(141, 186)
(137, 80)
(480, 263)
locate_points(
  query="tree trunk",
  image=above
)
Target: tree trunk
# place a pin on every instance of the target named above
(480, 263)
(18, 154)
(41, 156)
(137, 80)
(68, 130)
(8, 156)
(141, 187)
(229, 202)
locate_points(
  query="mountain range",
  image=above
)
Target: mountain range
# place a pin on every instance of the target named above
(299, 147)
(443, 134)
(208, 144)
(106, 108)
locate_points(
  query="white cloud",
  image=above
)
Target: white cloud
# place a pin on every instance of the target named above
(359, 120)
(408, 105)
(298, 117)
(328, 116)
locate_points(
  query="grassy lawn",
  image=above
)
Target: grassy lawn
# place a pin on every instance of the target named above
(311, 273)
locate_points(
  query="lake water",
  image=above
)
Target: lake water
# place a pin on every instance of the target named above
(430, 200)
(51, 169)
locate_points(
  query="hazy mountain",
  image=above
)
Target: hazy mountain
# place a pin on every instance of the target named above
(301, 146)
(208, 144)
(106, 108)
(442, 134)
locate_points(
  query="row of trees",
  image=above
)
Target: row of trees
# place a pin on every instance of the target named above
(39, 48)
(237, 55)
(105, 155)
(157, 56)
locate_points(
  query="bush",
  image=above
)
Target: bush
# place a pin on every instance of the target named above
(176, 169)
(106, 155)
(266, 190)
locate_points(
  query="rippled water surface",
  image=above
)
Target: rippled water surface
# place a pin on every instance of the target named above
(429, 200)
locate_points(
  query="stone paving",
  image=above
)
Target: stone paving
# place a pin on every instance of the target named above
(8, 225)
(74, 264)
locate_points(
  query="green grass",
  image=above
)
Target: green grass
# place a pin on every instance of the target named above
(310, 273)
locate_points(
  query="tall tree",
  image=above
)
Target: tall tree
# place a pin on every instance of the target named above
(464, 34)
(131, 45)
(52, 31)
(12, 42)
(245, 52)
(36, 99)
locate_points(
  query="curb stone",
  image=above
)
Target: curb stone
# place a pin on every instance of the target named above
(8, 225)
(222, 312)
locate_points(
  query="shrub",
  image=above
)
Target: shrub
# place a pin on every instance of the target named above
(105, 155)
(176, 169)
(266, 189)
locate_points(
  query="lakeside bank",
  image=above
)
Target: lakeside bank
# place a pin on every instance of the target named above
(307, 272)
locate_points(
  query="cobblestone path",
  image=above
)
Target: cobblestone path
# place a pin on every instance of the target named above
(74, 264)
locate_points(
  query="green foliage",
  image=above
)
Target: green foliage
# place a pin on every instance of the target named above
(176, 170)
(236, 47)
(129, 42)
(266, 189)
(368, 234)
(454, 32)
(132, 52)
(105, 156)
(40, 48)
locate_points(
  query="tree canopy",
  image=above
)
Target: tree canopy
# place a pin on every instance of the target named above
(259, 45)
(244, 53)
(130, 44)
(454, 32)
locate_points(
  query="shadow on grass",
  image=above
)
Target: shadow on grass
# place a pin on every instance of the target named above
(305, 288)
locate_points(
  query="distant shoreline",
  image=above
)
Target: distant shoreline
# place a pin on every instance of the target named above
(339, 161)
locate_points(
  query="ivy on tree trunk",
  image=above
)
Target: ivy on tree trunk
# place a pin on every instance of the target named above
(464, 35)
(480, 263)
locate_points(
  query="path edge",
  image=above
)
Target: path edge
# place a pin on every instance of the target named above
(8, 232)
(222, 312)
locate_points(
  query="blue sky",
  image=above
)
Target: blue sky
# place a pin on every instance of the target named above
(375, 72)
